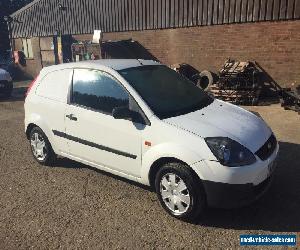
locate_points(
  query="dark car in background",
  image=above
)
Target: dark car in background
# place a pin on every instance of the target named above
(6, 84)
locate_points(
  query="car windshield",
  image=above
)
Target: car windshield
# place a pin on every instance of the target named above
(166, 92)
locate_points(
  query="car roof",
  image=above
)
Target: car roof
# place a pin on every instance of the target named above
(116, 64)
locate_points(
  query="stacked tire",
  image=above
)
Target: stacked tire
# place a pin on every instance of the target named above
(205, 79)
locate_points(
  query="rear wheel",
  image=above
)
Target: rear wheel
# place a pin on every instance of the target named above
(41, 147)
(180, 191)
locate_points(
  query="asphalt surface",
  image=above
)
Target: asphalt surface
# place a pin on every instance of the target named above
(74, 206)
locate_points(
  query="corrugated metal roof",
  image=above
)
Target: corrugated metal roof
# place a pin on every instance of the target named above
(26, 7)
(44, 17)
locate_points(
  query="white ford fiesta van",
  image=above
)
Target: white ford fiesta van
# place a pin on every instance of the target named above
(143, 121)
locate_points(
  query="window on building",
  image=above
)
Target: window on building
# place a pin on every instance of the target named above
(98, 90)
(27, 47)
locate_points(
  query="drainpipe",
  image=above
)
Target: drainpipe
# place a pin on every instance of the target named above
(55, 49)
(55, 43)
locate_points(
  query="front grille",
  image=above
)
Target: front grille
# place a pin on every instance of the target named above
(267, 149)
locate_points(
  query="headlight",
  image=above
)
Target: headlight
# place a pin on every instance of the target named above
(229, 152)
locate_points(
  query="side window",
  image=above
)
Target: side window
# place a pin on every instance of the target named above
(55, 85)
(97, 90)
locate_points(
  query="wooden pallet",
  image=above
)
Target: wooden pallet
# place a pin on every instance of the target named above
(236, 96)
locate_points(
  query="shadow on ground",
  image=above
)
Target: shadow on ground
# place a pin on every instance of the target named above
(278, 210)
(67, 163)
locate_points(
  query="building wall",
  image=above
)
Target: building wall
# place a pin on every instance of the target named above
(47, 51)
(44, 18)
(274, 45)
(33, 65)
(43, 55)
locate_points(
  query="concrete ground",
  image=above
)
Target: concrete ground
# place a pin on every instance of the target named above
(73, 206)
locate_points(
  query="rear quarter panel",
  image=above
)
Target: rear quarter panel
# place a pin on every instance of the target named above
(46, 111)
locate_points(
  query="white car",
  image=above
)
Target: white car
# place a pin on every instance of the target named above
(6, 85)
(143, 121)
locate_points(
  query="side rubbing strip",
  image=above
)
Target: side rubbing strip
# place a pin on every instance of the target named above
(91, 144)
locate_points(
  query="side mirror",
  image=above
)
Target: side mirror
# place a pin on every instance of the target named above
(121, 113)
(126, 114)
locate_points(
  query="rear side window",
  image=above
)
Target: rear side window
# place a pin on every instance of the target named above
(55, 85)
(98, 90)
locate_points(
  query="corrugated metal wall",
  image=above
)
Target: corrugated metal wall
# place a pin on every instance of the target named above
(84, 16)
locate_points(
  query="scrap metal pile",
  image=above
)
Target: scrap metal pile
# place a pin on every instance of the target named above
(236, 82)
(289, 98)
(242, 83)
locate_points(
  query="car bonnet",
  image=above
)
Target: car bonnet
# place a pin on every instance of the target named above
(221, 119)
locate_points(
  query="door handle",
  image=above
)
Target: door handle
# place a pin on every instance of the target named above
(72, 117)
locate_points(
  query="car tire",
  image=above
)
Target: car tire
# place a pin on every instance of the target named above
(206, 79)
(185, 201)
(41, 148)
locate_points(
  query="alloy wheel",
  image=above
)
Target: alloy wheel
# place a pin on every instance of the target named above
(38, 146)
(175, 193)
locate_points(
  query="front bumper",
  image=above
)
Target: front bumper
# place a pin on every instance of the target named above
(228, 187)
(225, 195)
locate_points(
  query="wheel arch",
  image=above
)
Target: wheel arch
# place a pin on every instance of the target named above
(156, 165)
(161, 154)
(37, 122)
(29, 127)
(159, 163)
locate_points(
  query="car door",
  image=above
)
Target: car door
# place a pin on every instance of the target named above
(92, 132)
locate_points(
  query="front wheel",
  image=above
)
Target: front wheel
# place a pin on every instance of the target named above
(180, 191)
